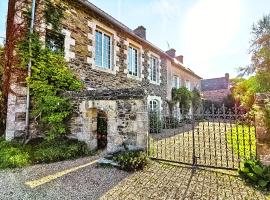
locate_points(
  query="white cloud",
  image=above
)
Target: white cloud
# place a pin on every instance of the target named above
(166, 8)
(210, 27)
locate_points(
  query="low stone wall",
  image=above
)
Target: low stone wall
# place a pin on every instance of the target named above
(126, 110)
(262, 130)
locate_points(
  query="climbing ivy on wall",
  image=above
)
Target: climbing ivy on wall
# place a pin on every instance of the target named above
(50, 78)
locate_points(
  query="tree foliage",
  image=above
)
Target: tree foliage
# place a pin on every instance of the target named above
(196, 99)
(50, 78)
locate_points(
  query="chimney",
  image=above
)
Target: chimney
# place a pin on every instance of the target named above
(180, 59)
(227, 76)
(171, 53)
(141, 32)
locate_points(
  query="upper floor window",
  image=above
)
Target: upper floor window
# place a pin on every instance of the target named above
(188, 85)
(154, 69)
(55, 41)
(176, 82)
(133, 64)
(103, 50)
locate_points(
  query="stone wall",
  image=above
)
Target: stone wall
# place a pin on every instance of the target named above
(262, 129)
(81, 23)
(126, 112)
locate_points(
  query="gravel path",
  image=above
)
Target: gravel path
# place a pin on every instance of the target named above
(87, 183)
(157, 181)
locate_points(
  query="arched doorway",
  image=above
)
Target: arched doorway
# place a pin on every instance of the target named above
(102, 130)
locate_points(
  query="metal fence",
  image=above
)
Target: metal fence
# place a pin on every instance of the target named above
(211, 137)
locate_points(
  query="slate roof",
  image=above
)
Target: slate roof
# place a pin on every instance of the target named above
(215, 84)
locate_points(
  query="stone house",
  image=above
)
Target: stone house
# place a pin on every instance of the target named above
(123, 73)
(216, 89)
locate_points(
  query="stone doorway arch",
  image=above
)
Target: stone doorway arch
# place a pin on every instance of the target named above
(127, 118)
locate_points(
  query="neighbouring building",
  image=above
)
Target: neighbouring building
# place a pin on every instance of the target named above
(216, 89)
(123, 74)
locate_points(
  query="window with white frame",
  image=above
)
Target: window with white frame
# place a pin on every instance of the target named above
(188, 85)
(103, 51)
(154, 105)
(133, 61)
(154, 69)
(176, 82)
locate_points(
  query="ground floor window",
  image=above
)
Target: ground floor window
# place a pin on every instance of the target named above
(154, 105)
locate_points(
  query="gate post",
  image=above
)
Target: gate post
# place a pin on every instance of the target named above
(262, 131)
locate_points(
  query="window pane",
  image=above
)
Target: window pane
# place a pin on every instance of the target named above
(135, 72)
(107, 52)
(98, 49)
(154, 68)
(130, 60)
(55, 41)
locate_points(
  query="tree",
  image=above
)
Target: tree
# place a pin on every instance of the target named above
(196, 99)
(260, 50)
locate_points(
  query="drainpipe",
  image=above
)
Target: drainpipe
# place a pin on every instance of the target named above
(29, 67)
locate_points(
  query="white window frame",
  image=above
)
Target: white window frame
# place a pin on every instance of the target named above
(157, 99)
(154, 105)
(133, 68)
(176, 82)
(103, 33)
(157, 71)
(188, 85)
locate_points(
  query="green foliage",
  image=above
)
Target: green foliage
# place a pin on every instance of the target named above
(244, 91)
(155, 122)
(50, 78)
(13, 155)
(267, 113)
(196, 99)
(254, 172)
(58, 150)
(184, 97)
(102, 123)
(242, 140)
(54, 12)
(131, 160)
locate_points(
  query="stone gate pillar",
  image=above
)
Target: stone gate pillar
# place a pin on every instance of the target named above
(262, 131)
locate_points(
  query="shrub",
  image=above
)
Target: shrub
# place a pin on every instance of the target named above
(254, 172)
(172, 122)
(12, 156)
(155, 122)
(58, 150)
(131, 160)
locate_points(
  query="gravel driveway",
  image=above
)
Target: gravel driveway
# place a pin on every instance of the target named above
(158, 181)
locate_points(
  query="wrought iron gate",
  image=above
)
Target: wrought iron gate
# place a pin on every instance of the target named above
(214, 137)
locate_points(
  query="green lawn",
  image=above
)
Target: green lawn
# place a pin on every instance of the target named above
(243, 141)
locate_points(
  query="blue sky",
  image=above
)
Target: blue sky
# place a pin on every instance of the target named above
(213, 35)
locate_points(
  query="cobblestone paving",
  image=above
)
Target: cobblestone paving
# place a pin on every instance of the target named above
(157, 181)
(162, 181)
